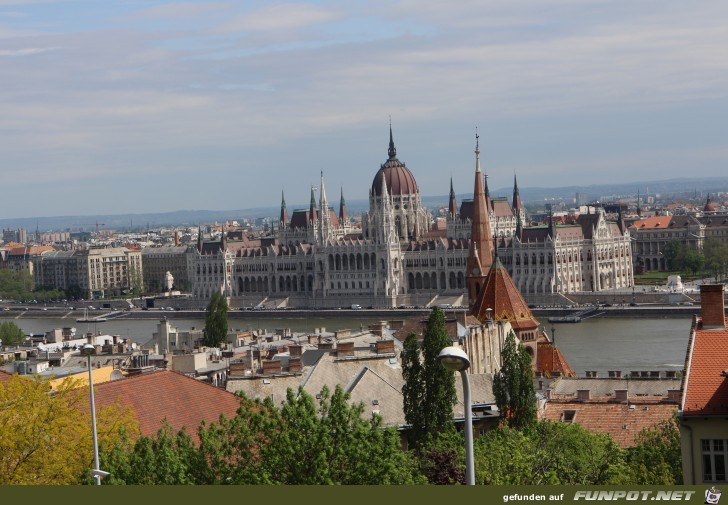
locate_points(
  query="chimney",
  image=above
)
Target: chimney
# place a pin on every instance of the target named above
(673, 395)
(271, 366)
(345, 349)
(621, 395)
(384, 346)
(295, 351)
(712, 306)
(294, 365)
(583, 394)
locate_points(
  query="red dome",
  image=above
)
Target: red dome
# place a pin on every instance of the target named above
(399, 179)
(709, 207)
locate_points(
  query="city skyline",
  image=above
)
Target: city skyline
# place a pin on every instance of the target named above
(150, 106)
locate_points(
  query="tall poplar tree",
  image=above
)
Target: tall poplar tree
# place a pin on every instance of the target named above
(513, 385)
(216, 323)
(429, 389)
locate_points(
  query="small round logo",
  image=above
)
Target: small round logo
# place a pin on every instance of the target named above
(712, 496)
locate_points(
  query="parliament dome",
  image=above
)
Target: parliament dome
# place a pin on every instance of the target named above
(397, 176)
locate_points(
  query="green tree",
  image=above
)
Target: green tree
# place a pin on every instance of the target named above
(693, 261)
(656, 459)
(10, 333)
(216, 322)
(513, 385)
(674, 253)
(301, 442)
(429, 390)
(716, 257)
(548, 453)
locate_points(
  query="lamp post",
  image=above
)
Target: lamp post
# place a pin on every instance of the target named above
(89, 350)
(553, 336)
(455, 359)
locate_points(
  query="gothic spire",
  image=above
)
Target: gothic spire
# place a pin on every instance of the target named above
(284, 211)
(480, 254)
(392, 150)
(343, 215)
(517, 204)
(453, 204)
(312, 215)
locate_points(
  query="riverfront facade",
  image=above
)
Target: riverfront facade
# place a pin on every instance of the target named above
(400, 255)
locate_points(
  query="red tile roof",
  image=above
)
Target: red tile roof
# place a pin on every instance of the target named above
(705, 387)
(168, 396)
(615, 418)
(660, 222)
(4, 376)
(550, 359)
(500, 294)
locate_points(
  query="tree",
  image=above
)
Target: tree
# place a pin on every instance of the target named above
(548, 453)
(216, 323)
(46, 438)
(674, 253)
(301, 442)
(429, 390)
(513, 385)
(10, 333)
(656, 459)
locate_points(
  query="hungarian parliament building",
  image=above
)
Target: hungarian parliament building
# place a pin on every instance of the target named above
(398, 254)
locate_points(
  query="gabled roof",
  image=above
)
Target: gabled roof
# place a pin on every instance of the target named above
(179, 400)
(500, 294)
(705, 386)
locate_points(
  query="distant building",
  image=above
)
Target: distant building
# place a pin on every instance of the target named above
(157, 261)
(95, 272)
(652, 234)
(400, 256)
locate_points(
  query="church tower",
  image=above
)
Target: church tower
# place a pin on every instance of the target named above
(480, 257)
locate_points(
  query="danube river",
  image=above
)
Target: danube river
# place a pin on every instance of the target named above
(600, 343)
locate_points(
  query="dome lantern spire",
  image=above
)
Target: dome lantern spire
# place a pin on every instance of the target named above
(392, 150)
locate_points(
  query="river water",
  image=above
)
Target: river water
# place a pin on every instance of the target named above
(600, 343)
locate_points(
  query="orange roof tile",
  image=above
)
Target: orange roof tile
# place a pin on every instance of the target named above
(705, 387)
(4, 376)
(652, 222)
(550, 359)
(622, 420)
(168, 396)
(500, 294)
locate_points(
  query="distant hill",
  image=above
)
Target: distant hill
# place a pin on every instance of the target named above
(139, 222)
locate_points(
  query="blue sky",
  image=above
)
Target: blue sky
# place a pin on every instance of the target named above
(151, 106)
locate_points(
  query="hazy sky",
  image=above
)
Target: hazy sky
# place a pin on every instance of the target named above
(144, 106)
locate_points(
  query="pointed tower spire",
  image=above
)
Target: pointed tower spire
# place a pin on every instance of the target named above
(312, 215)
(453, 204)
(200, 239)
(480, 255)
(392, 150)
(223, 243)
(517, 204)
(284, 211)
(343, 215)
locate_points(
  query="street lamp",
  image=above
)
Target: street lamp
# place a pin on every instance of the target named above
(89, 350)
(455, 359)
